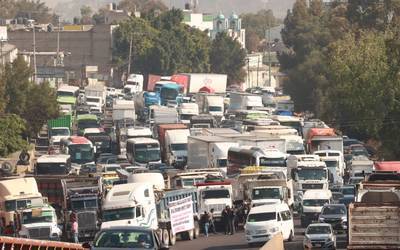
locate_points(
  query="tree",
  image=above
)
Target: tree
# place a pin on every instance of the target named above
(12, 128)
(35, 10)
(252, 41)
(228, 57)
(86, 14)
(143, 6)
(41, 106)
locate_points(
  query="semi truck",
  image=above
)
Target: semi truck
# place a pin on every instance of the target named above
(143, 100)
(74, 197)
(186, 111)
(133, 84)
(123, 109)
(192, 83)
(323, 139)
(211, 104)
(59, 128)
(209, 152)
(139, 204)
(244, 101)
(173, 144)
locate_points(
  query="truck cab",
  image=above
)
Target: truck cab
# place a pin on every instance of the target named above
(58, 133)
(215, 195)
(39, 223)
(334, 161)
(53, 164)
(176, 144)
(170, 92)
(186, 111)
(312, 203)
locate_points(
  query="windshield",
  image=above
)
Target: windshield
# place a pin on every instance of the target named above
(110, 181)
(215, 194)
(334, 210)
(59, 132)
(88, 99)
(82, 124)
(186, 117)
(119, 214)
(37, 217)
(272, 162)
(315, 203)
(311, 174)
(83, 204)
(146, 153)
(331, 164)
(23, 204)
(168, 94)
(266, 193)
(179, 147)
(51, 168)
(348, 191)
(319, 230)
(65, 93)
(81, 153)
(127, 239)
(215, 108)
(261, 217)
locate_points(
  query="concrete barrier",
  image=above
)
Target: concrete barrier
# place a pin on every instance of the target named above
(276, 243)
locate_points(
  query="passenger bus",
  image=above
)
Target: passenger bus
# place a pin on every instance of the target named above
(242, 157)
(79, 148)
(291, 121)
(142, 151)
(86, 121)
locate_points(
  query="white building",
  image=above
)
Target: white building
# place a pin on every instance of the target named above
(257, 73)
(8, 52)
(232, 26)
(200, 21)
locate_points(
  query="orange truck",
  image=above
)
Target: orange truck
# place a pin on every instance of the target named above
(323, 139)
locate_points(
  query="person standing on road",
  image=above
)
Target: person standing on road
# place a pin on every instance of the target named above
(225, 219)
(231, 221)
(205, 220)
(212, 222)
(74, 230)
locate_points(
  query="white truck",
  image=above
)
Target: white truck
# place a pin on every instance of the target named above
(123, 109)
(139, 204)
(294, 144)
(244, 101)
(196, 82)
(209, 152)
(334, 161)
(162, 115)
(360, 166)
(215, 195)
(20, 198)
(176, 141)
(210, 104)
(93, 90)
(312, 203)
(264, 143)
(186, 110)
(134, 84)
(264, 188)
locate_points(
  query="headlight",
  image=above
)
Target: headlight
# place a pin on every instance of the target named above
(344, 218)
(321, 219)
(249, 232)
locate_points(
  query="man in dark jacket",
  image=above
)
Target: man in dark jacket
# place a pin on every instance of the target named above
(225, 219)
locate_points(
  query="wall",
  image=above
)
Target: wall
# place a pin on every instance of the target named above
(91, 47)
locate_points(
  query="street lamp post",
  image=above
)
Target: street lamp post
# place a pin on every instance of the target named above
(34, 53)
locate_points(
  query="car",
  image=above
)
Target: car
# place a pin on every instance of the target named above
(334, 214)
(125, 237)
(348, 191)
(319, 235)
(88, 168)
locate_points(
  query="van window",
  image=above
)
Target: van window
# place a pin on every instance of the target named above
(138, 211)
(279, 217)
(261, 217)
(286, 215)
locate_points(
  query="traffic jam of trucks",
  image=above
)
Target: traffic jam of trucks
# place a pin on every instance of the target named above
(155, 158)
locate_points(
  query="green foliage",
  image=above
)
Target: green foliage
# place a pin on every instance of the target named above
(25, 9)
(227, 56)
(12, 128)
(143, 6)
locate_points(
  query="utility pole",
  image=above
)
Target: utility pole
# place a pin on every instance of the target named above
(34, 54)
(129, 58)
(58, 43)
(269, 51)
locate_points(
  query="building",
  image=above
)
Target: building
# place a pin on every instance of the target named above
(257, 73)
(113, 15)
(8, 53)
(200, 21)
(231, 26)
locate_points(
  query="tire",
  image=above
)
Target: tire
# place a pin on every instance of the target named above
(196, 229)
(291, 236)
(172, 238)
(7, 167)
(165, 237)
(24, 156)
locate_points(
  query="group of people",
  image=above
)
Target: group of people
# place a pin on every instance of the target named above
(230, 219)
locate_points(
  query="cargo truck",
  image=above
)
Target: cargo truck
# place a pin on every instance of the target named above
(123, 109)
(143, 100)
(192, 83)
(209, 152)
(186, 111)
(59, 128)
(74, 197)
(139, 204)
(244, 101)
(323, 139)
(211, 104)
(168, 141)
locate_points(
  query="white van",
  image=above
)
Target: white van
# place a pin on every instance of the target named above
(263, 222)
(312, 203)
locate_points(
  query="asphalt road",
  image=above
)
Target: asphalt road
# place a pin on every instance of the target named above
(237, 241)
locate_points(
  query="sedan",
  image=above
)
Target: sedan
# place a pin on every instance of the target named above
(125, 237)
(319, 235)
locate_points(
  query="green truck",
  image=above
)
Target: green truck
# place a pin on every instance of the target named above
(59, 128)
(62, 121)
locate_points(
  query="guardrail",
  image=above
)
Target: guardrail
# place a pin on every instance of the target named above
(22, 244)
(276, 243)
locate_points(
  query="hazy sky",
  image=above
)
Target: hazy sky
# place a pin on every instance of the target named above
(70, 8)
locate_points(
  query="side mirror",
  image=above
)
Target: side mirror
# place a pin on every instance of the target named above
(86, 245)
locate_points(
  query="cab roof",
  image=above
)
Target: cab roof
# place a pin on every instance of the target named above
(269, 208)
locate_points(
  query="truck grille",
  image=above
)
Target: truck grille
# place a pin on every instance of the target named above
(312, 186)
(87, 220)
(216, 207)
(39, 233)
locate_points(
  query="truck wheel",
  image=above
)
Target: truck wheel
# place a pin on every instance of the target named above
(7, 167)
(165, 237)
(172, 238)
(196, 230)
